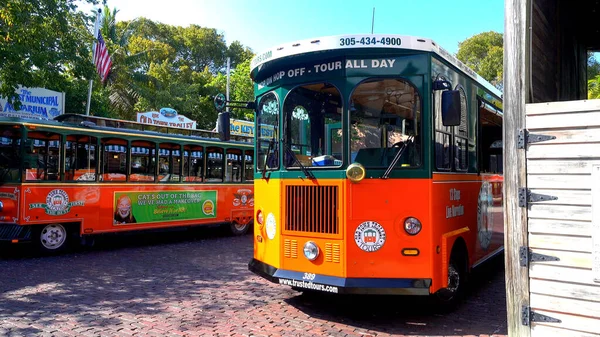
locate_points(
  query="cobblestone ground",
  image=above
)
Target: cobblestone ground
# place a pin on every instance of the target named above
(197, 284)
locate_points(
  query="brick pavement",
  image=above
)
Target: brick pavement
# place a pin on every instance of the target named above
(179, 284)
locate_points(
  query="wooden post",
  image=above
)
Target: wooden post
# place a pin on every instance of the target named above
(515, 175)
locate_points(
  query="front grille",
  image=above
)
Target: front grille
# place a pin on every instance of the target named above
(15, 232)
(312, 209)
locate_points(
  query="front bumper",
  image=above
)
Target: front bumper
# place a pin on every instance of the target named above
(340, 285)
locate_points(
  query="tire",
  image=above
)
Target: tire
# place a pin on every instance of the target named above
(237, 229)
(51, 238)
(449, 298)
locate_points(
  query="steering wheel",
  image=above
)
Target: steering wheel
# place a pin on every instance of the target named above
(398, 144)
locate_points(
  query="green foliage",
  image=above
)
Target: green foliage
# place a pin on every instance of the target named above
(44, 43)
(154, 65)
(593, 66)
(484, 54)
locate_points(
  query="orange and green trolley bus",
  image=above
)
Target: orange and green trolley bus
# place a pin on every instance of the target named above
(76, 176)
(378, 167)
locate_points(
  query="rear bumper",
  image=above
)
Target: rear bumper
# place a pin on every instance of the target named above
(10, 232)
(341, 285)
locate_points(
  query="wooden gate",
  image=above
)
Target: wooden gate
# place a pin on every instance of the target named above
(562, 201)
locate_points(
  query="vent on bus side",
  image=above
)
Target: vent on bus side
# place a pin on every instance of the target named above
(312, 209)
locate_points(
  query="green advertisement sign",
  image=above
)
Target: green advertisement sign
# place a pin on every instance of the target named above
(142, 207)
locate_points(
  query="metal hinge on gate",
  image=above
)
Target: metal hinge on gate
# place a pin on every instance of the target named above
(526, 256)
(524, 137)
(528, 316)
(526, 196)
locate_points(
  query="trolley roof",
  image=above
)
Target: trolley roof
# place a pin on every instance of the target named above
(330, 43)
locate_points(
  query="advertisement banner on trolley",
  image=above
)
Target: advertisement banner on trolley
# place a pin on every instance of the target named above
(38, 103)
(144, 207)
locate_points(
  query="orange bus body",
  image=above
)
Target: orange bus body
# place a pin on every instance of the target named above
(93, 206)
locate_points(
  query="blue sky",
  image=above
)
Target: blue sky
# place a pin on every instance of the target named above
(262, 24)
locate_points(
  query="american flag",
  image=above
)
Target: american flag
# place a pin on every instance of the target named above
(101, 58)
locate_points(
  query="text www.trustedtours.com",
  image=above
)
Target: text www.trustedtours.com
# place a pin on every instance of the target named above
(308, 285)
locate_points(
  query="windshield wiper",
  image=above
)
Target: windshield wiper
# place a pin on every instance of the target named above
(264, 168)
(291, 153)
(405, 144)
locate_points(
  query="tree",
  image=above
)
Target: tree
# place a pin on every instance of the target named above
(484, 54)
(43, 43)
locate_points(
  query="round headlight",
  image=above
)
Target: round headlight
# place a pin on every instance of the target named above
(355, 172)
(271, 226)
(311, 250)
(1, 206)
(412, 226)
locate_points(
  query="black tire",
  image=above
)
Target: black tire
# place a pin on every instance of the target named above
(51, 238)
(449, 298)
(238, 229)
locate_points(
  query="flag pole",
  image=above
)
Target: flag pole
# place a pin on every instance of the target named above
(96, 28)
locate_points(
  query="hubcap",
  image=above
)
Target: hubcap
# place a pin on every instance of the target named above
(239, 227)
(53, 236)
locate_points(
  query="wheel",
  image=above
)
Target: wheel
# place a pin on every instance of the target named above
(238, 229)
(448, 298)
(51, 238)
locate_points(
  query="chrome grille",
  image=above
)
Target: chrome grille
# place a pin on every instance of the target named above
(312, 209)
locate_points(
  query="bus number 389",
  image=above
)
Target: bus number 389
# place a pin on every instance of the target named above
(308, 276)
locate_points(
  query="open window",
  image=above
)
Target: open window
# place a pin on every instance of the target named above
(143, 162)
(193, 163)
(42, 156)
(80, 158)
(490, 135)
(114, 160)
(10, 154)
(214, 164)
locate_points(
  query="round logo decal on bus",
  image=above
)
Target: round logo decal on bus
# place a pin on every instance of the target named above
(369, 236)
(57, 200)
(208, 207)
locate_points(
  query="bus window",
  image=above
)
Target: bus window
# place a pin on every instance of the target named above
(193, 163)
(461, 136)
(234, 166)
(249, 166)
(80, 158)
(42, 160)
(114, 159)
(169, 162)
(214, 164)
(385, 114)
(267, 117)
(10, 155)
(143, 162)
(309, 112)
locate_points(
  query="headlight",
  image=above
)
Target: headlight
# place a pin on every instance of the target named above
(412, 226)
(271, 226)
(311, 250)
(1, 206)
(355, 172)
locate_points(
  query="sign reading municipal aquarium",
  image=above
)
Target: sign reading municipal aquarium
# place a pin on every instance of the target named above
(38, 103)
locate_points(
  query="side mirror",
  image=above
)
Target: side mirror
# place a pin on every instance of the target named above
(223, 126)
(451, 108)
